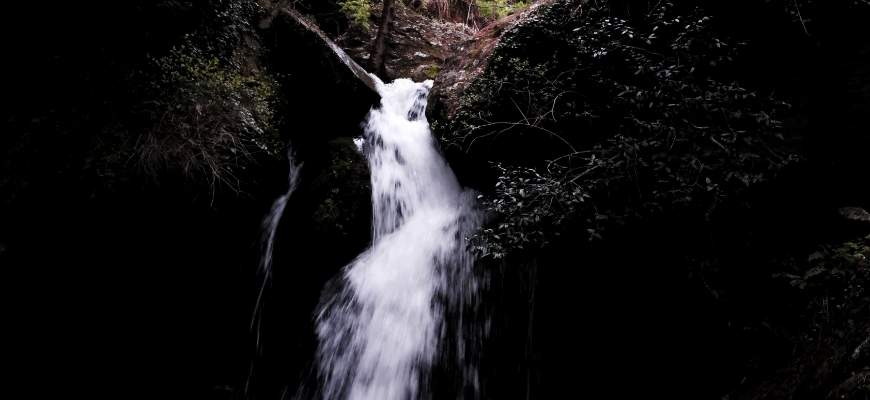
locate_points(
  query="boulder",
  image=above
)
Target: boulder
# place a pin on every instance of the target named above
(305, 58)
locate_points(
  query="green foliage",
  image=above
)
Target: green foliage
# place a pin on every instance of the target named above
(844, 267)
(495, 9)
(358, 12)
(591, 122)
(207, 116)
(201, 80)
(431, 71)
(206, 107)
(831, 288)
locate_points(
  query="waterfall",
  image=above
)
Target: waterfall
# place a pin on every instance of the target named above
(267, 241)
(382, 322)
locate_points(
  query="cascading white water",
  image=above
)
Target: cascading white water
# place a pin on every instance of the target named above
(380, 329)
(267, 241)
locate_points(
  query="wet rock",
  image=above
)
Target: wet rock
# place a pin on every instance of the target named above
(343, 211)
(338, 92)
(854, 214)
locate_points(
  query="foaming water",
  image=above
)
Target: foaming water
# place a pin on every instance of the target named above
(382, 322)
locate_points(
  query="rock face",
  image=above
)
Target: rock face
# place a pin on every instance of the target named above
(468, 60)
(338, 92)
(311, 32)
(325, 117)
(418, 46)
(327, 222)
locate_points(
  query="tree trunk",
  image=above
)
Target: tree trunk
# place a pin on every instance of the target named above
(379, 52)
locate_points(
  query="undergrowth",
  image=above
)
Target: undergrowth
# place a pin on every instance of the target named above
(207, 107)
(592, 121)
(474, 13)
(358, 12)
(495, 9)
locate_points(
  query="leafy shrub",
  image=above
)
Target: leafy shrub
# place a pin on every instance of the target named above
(357, 12)
(495, 9)
(474, 13)
(208, 117)
(206, 107)
(591, 121)
(843, 269)
(829, 290)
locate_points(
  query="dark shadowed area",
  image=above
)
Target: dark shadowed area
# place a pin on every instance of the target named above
(672, 199)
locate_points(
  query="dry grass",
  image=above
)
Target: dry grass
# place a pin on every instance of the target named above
(204, 121)
(202, 144)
